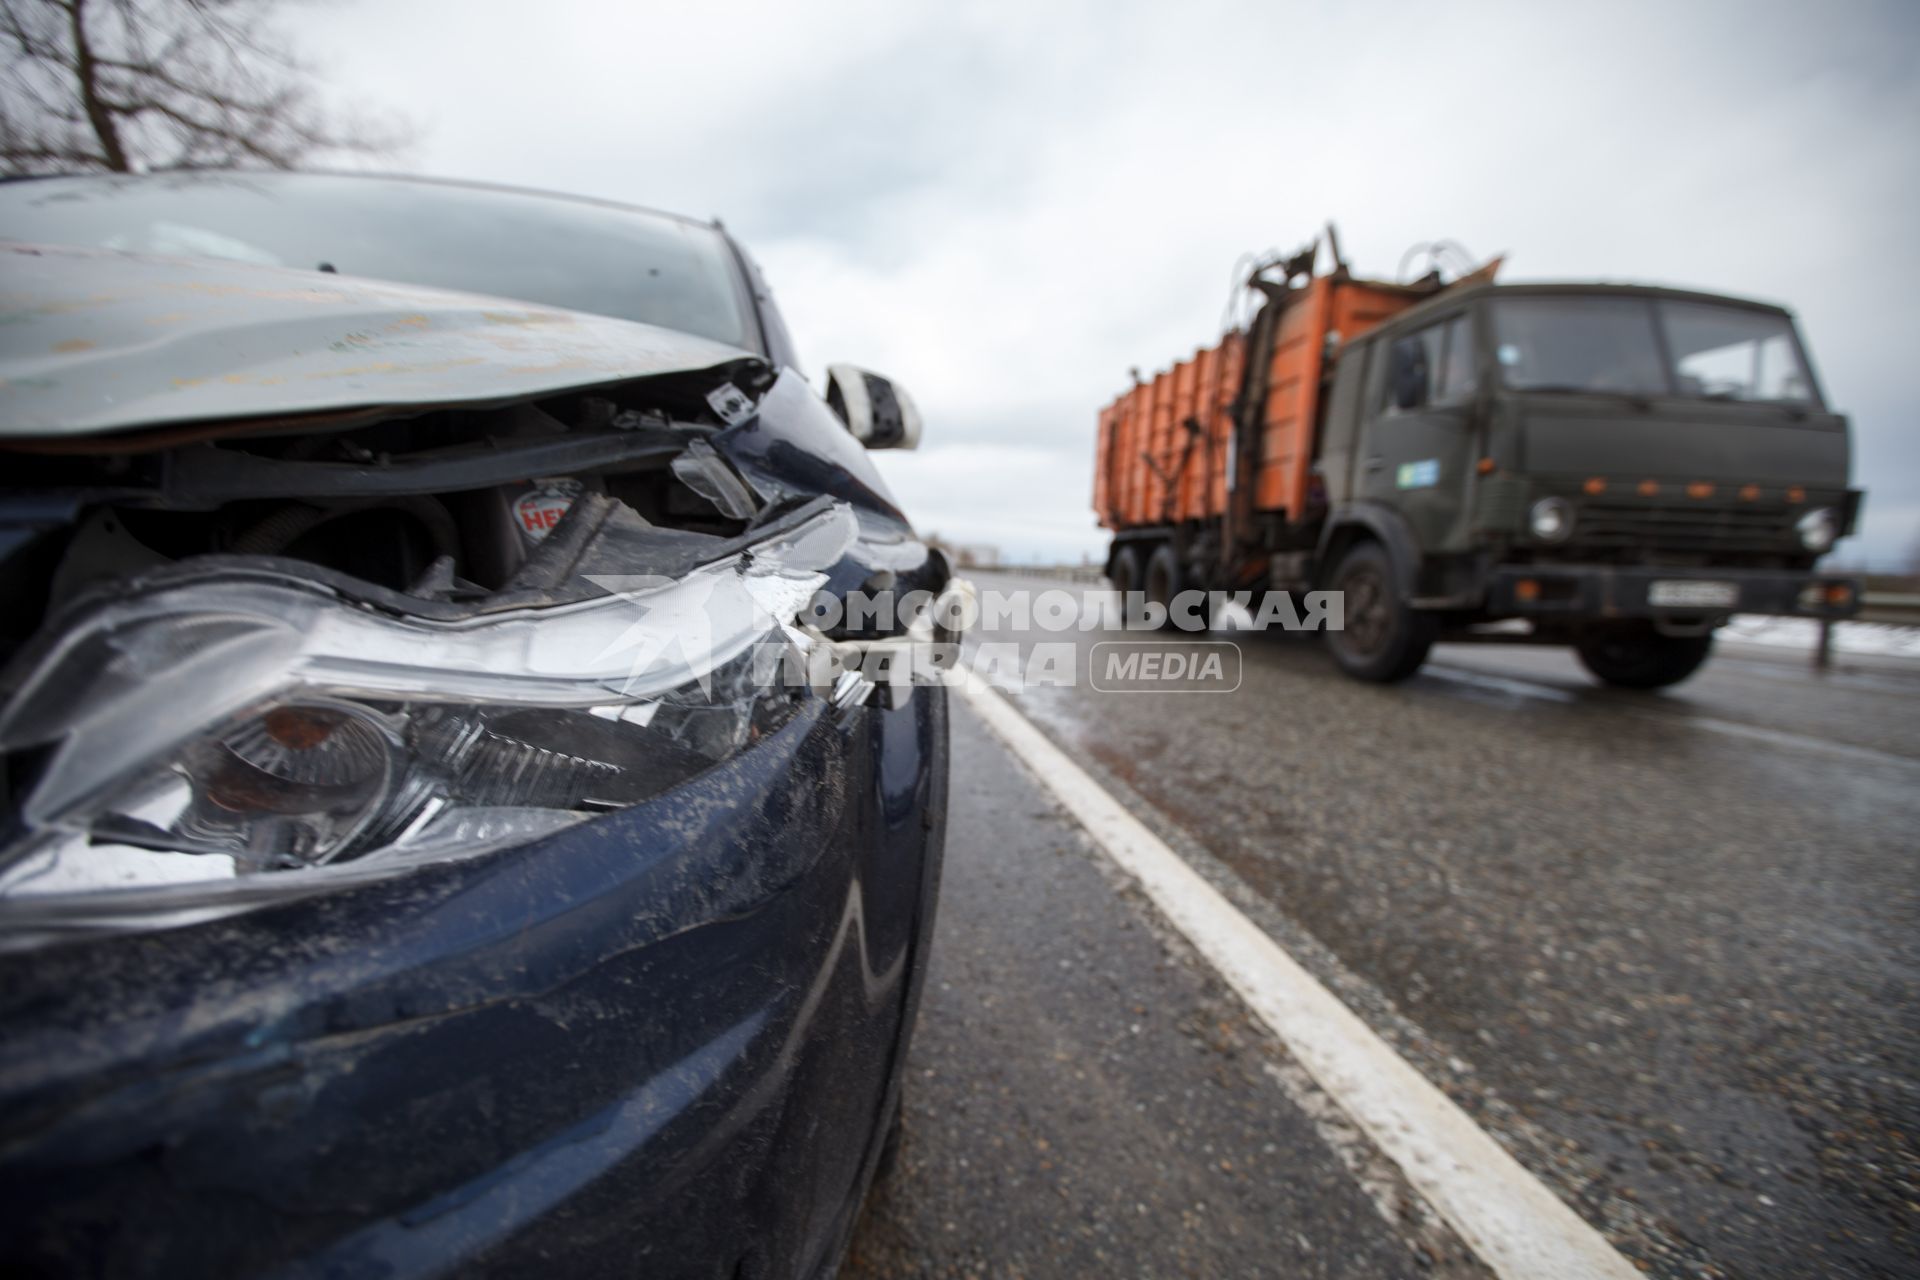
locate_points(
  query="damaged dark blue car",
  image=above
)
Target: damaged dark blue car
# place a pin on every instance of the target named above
(450, 826)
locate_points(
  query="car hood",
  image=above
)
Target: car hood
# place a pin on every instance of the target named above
(95, 341)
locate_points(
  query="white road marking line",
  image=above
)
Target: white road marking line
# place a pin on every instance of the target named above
(1505, 1215)
(1501, 684)
(1773, 667)
(1712, 724)
(1795, 741)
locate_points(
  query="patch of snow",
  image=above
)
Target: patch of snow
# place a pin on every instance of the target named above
(1804, 633)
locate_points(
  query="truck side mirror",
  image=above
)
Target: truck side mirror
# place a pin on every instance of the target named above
(878, 411)
(1408, 369)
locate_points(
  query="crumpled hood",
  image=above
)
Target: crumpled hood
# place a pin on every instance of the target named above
(95, 340)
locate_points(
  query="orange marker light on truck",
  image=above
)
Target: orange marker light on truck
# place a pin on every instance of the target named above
(1699, 489)
(1525, 590)
(1749, 493)
(1595, 485)
(1486, 466)
(1649, 488)
(1839, 593)
(1796, 494)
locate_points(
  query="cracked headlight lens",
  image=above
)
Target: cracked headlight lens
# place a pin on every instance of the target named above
(223, 730)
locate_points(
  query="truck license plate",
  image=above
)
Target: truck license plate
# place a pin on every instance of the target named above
(1680, 593)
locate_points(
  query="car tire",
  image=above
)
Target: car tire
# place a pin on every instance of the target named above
(889, 1161)
(1383, 638)
(1641, 657)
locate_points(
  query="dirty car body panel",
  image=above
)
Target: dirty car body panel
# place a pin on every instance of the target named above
(659, 1041)
(639, 1002)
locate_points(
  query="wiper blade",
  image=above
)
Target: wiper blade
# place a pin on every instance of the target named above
(1795, 409)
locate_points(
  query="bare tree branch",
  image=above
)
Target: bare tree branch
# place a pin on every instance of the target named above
(106, 127)
(126, 85)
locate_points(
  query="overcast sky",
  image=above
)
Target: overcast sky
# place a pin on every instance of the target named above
(1004, 206)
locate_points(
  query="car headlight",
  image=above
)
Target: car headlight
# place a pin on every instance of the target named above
(1551, 519)
(222, 729)
(1818, 529)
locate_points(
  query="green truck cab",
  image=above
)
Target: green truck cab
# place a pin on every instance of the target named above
(1622, 467)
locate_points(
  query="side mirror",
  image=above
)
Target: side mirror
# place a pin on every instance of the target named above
(879, 412)
(1408, 370)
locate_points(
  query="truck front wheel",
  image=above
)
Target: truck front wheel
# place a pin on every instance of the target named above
(1640, 657)
(1383, 638)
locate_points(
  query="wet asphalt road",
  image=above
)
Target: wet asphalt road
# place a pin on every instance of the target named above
(1664, 947)
(1085, 1099)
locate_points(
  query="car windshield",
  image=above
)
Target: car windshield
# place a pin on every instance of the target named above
(575, 254)
(1614, 344)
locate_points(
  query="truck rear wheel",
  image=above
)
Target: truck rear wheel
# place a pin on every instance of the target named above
(1638, 656)
(1383, 638)
(1124, 571)
(1163, 578)
(1129, 577)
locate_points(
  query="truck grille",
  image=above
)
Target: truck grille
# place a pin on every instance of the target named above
(1697, 527)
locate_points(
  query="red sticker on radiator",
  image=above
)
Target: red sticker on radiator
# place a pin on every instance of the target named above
(540, 509)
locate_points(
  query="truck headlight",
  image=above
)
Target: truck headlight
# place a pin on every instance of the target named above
(1818, 529)
(1551, 519)
(248, 732)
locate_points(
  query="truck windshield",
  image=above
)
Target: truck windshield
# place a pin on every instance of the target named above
(1731, 353)
(1605, 344)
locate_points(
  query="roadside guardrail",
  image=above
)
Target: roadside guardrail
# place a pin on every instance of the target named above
(1901, 608)
(1896, 608)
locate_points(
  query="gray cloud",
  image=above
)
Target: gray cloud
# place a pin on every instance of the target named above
(1006, 205)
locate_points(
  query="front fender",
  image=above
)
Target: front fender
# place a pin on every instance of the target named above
(1352, 522)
